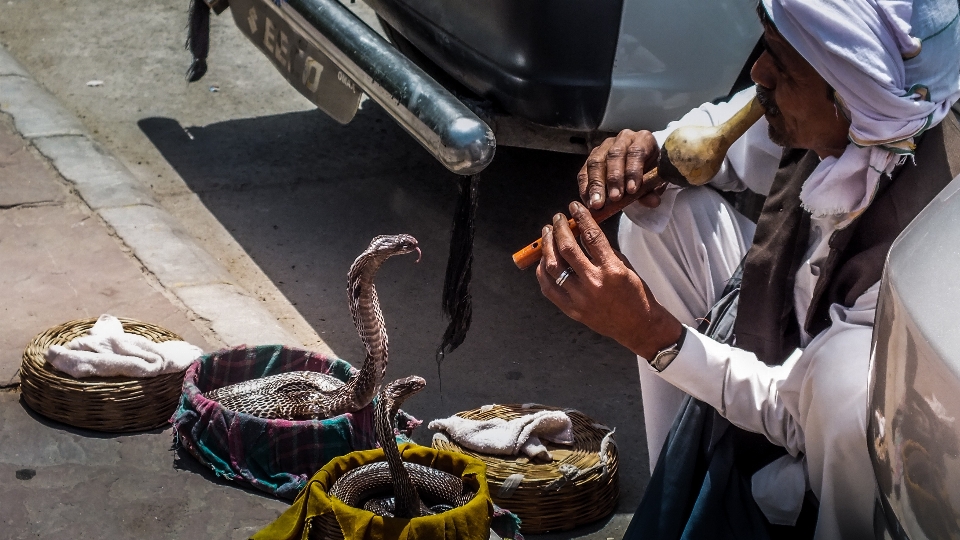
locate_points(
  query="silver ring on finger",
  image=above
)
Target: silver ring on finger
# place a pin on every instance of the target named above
(563, 276)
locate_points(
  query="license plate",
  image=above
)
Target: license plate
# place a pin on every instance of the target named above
(296, 55)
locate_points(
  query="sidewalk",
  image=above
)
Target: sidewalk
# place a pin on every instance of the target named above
(60, 262)
(79, 238)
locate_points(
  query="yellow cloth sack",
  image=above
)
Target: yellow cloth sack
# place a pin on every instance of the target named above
(468, 522)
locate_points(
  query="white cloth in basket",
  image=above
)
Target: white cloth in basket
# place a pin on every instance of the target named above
(108, 351)
(502, 437)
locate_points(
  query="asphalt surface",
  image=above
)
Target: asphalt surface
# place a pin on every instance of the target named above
(285, 198)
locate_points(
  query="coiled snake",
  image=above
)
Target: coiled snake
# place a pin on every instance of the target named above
(300, 395)
(303, 395)
(365, 485)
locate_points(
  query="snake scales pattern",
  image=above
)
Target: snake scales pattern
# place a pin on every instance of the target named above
(302, 395)
(365, 486)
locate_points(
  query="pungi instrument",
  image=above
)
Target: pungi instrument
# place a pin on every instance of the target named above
(690, 156)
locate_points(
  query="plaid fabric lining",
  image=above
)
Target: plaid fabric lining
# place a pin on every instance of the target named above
(276, 456)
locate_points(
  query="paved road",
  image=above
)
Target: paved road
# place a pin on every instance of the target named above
(286, 198)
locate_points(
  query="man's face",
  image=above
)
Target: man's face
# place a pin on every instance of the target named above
(798, 104)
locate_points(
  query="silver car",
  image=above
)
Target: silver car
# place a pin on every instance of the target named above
(463, 76)
(914, 411)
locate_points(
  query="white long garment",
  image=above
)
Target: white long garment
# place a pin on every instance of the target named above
(814, 405)
(688, 247)
(686, 266)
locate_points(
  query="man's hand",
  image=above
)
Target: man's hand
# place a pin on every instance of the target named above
(602, 292)
(617, 166)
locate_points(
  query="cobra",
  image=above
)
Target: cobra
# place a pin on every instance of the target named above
(303, 395)
(366, 485)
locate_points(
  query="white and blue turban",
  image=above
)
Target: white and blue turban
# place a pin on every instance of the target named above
(895, 69)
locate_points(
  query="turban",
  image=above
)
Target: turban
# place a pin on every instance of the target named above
(895, 68)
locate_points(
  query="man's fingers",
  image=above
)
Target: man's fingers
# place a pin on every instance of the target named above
(626, 262)
(557, 294)
(583, 182)
(642, 146)
(550, 263)
(653, 198)
(593, 176)
(594, 241)
(549, 269)
(567, 247)
(650, 200)
(616, 156)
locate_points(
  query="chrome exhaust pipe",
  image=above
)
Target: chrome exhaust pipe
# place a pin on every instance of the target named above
(447, 128)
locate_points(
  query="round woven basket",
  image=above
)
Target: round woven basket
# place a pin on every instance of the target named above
(326, 527)
(111, 404)
(270, 454)
(326, 517)
(579, 486)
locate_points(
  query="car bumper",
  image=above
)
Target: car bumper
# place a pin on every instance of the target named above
(330, 56)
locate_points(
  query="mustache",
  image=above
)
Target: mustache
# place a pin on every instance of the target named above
(767, 101)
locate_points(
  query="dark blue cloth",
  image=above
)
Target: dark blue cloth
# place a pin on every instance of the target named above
(697, 491)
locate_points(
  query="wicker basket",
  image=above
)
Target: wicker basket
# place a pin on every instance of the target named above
(273, 455)
(579, 486)
(324, 527)
(114, 404)
(326, 517)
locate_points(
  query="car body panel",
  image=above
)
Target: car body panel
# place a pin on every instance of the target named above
(674, 55)
(547, 61)
(913, 424)
(601, 65)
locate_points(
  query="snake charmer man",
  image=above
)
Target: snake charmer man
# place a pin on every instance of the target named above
(768, 400)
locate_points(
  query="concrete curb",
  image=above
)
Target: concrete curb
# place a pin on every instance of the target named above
(153, 235)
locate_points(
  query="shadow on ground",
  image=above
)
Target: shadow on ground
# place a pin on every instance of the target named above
(304, 195)
(73, 430)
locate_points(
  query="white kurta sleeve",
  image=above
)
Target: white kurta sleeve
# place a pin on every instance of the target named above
(815, 404)
(829, 399)
(740, 387)
(776, 400)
